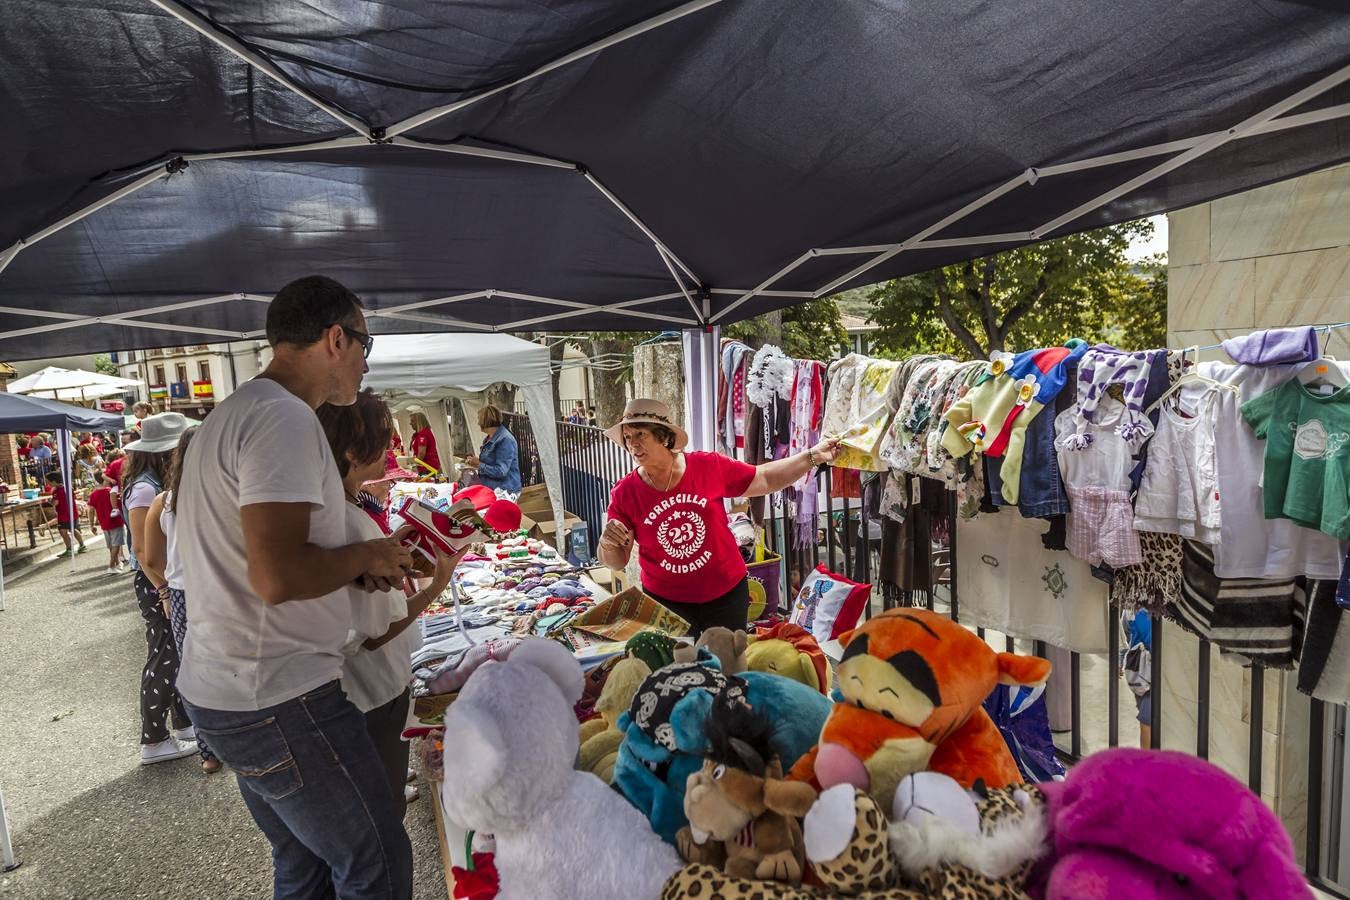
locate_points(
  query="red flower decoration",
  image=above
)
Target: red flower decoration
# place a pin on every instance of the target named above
(479, 882)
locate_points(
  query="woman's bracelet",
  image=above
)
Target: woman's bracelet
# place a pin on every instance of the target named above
(811, 455)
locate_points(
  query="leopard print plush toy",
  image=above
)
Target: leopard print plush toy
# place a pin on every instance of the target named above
(993, 864)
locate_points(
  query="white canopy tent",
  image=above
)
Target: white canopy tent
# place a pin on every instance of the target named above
(56, 383)
(428, 371)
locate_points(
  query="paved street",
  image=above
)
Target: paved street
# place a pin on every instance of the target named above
(88, 822)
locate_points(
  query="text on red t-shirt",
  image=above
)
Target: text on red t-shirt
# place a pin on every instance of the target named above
(686, 551)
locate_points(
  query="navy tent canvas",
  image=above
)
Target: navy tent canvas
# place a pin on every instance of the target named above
(21, 413)
(607, 164)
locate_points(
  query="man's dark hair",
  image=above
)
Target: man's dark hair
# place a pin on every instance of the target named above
(302, 310)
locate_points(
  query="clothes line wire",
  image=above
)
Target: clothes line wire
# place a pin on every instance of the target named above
(1318, 328)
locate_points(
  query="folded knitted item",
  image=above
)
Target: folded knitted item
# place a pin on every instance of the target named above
(1273, 346)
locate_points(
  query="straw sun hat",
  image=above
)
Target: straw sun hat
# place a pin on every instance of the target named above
(644, 411)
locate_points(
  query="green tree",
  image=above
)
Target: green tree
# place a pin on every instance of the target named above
(1039, 295)
(811, 330)
(104, 365)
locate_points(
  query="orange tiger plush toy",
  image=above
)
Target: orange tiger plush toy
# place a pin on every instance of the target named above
(912, 683)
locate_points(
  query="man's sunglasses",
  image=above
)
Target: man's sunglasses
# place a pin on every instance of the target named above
(367, 341)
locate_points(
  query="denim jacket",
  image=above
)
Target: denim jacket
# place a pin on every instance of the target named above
(499, 465)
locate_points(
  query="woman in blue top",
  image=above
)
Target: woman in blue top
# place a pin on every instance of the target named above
(498, 462)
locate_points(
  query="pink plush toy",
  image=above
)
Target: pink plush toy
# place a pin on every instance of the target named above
(1161, 825)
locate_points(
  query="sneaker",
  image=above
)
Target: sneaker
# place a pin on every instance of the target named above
(410, 793)
(412, 776)
(82, 549)
(64, 554)
(186, 734)
(113, 570)
(165, 751)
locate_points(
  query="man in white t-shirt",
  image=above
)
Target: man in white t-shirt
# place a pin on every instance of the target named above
(263, 540)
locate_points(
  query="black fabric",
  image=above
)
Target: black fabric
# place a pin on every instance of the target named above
(744, 134)
(729, 611)
(160, 702)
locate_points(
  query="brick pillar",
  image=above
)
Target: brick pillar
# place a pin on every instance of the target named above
(9, 450)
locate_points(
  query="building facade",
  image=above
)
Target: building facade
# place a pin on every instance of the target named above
(194, 378)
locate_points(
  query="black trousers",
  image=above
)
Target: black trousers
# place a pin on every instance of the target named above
(729, 610)
(159, 695)
(385, 726)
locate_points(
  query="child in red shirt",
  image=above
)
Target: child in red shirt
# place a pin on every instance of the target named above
(65, 525)
(107, 507)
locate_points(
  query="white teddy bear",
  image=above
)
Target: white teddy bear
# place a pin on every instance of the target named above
(511, 739)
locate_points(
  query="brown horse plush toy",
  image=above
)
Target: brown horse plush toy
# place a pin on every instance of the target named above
(740, 802)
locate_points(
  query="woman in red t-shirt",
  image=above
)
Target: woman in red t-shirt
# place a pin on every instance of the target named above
(671, 505)
(423, 443)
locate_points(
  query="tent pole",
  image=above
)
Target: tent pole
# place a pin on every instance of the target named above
(68, 477)
(678, 281)
(1247, 127)
(701, 367)
(632, 217)
(485, 153)
(212, 32)
(618, 37)
(1214, 142)
(6, 847)
(144, 181)
(123, 317)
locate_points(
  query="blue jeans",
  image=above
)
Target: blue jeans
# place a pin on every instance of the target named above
(313, 782)
(1040, 492)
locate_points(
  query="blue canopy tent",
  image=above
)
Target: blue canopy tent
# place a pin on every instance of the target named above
(19, 412)
(22, 413)
(607, 164)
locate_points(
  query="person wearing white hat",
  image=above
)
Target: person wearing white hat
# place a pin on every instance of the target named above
(672, 507)
(144, 474)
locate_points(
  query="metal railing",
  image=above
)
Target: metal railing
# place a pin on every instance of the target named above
(844, 540)
(591, 465)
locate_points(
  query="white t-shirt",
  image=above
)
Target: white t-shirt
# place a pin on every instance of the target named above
(261, 445)
(173, 564)
(1180, 492)
(1106, 462)
(372, 678)
(1252, 546)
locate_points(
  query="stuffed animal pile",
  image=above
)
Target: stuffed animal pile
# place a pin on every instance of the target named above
(917, 800)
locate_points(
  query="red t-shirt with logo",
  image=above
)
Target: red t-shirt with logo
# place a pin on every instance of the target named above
(686, 551)
(109, 516)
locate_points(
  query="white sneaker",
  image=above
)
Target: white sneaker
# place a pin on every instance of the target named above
(410, 793)
(186, 734)
(113, 570)
(165, 751)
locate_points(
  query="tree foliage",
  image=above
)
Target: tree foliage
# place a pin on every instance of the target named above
(811, 330)
(104, 365)
(1040, 295)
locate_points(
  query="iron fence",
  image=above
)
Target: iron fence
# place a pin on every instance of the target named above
(844, 539)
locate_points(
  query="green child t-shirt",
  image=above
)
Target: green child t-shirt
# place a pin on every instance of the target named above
(1307, 461)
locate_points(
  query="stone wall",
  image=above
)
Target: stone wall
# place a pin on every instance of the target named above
(1275, 256)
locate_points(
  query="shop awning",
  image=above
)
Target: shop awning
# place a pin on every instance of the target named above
(607, 164)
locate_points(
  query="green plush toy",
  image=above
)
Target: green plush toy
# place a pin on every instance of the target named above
(654, 648)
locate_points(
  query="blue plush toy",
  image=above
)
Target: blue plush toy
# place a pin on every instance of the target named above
(664, 741)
